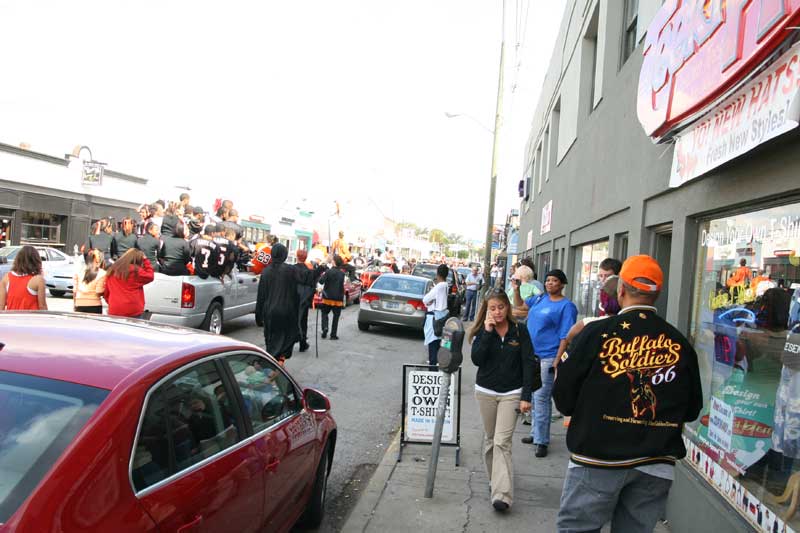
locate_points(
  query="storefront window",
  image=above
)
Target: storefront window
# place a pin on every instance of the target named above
(586, 292)
(41, 228)
(745, 331)
(6, 223)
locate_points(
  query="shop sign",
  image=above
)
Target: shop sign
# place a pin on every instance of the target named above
(513, 244)
(421, 387)
(92, 173)
(529, 240)
(766, 107)
(547, 217)
(697, 51)
(720, 424)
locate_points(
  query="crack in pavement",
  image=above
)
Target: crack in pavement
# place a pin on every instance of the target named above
(467, 503)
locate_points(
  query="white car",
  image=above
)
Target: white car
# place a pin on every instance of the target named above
(58, 267)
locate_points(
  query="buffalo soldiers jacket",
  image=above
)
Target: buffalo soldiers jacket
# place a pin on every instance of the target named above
(629, 382)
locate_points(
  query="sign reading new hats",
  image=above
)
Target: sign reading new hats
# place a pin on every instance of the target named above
(697, 53)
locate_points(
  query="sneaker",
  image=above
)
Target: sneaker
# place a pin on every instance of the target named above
(500, 505)
(527, 440)
(334, 338)
(541, 450)
(324, 334)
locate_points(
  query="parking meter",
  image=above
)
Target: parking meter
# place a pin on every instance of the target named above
(450, 356)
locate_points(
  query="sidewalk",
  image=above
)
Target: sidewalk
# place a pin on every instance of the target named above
(393, 500)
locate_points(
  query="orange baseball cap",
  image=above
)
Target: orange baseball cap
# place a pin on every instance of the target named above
(642, 266)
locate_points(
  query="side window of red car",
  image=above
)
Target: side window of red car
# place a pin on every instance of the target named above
(269, 395)
(188, 419)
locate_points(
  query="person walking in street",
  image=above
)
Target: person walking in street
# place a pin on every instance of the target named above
(90, 284)
(277, 305)
(630, 382)
(306, 281)
(332, 282)
(472, 281)
(436, 303)
(503, 353)
(125, 281)
(23, 287)
(550, 317)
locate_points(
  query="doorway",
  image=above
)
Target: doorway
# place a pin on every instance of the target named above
(661, 249)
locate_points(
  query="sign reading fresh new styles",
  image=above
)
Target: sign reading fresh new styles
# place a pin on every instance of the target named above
(718, 77)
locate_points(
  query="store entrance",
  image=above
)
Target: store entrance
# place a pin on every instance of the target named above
(661, 249)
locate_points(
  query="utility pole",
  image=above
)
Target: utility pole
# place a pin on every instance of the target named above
(487, 260)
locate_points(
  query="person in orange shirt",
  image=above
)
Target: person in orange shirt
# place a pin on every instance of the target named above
(741, 276)
(342, 249)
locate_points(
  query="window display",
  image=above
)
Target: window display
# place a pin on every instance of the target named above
(41, 228)
(746, 330)
(586, 293)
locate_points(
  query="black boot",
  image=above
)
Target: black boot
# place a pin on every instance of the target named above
(324, 333)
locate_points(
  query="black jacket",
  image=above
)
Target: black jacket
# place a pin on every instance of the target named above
(333, 285)
(629, 382)
(306, 282)
(506, 364)
(121, 243)
(174, 254)
(150, 246)
(277, 306)
(101, 242)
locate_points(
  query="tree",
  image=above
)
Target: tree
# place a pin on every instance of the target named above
(438, 236)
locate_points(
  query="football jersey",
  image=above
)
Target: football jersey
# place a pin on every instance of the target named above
(202, 250)
(262, 258)
(220, 261)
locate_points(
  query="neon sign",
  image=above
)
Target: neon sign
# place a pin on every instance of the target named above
(698, 50)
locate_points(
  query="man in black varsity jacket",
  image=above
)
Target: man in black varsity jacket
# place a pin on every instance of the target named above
(629, 382)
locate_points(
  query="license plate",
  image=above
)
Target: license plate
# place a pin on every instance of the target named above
(391, 305)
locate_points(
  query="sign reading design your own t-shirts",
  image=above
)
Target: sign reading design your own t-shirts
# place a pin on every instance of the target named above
(422, 396)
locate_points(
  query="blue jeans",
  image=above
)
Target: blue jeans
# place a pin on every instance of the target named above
(472, 301)
(543, 405)
(631, 500)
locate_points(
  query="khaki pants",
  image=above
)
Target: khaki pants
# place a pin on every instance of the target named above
(499, 414)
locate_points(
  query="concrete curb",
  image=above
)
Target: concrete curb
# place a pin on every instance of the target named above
(362, 513)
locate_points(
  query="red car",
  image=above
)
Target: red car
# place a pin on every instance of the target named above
(121, 425)
(352, 293)
(369, 275)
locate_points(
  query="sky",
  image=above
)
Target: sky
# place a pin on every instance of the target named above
(269, 103)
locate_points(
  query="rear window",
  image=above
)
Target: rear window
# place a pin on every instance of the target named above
(39, 418)
(8, 253)
(429, 271)
(407, 285)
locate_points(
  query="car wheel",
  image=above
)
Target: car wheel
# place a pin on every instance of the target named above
(57, 294)
(213, 320)
(315, 510)
(363, 326)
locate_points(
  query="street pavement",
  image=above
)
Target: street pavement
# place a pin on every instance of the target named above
(362, 374)
(394, 499)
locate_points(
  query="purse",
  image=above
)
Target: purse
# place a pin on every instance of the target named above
(438, 325)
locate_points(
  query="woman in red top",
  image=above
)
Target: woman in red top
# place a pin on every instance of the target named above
(125, 280)
(23, 288)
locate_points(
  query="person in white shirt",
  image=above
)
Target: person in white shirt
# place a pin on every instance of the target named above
(436, 302)
(472, 282)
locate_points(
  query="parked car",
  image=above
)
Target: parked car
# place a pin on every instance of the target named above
(352, 293)
(370, 274)
(59, 279)
(455, 294)
(394, 300)
(193, 302)
(53, 261)
(122, 425)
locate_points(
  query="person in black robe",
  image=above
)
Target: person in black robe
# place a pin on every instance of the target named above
(277, 307)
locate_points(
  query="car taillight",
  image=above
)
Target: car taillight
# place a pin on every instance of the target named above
(369, 298)
(418, 305)
(187, 296)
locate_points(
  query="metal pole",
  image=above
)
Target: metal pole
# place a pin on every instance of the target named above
(487, 260)
(444, 393)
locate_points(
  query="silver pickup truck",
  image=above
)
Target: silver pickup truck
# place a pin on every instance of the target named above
(194, 302)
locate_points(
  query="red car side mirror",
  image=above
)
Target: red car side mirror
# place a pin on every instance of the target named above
(316, 401)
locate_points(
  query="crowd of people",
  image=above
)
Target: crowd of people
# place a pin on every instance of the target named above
(625, 434)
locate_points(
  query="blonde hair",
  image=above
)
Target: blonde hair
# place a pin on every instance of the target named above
(524, 273)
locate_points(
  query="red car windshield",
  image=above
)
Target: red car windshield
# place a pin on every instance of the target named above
(39, 418)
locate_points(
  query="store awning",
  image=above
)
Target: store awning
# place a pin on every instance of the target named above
(256, 225)
(304, 233)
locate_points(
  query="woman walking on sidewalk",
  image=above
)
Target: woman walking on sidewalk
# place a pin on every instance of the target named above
(506, 377)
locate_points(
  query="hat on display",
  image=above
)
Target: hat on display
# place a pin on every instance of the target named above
(646, 269)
